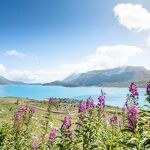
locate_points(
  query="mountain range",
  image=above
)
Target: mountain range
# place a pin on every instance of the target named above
(117, 77)
(4, 81)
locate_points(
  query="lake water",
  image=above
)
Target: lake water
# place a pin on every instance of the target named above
(114, 96)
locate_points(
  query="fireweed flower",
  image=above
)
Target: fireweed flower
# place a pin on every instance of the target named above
(82, 107)
(18, 113)
(71, 135)
(133, 89)
(32, 110)
(132, 112)
(113, 120)
(148, 88)
(66, 122)
(90, 103)
(101, 100)
(52, 135)
(17, 117)
(86, 105)
(35, 145)
(22, 109)
(79, 123)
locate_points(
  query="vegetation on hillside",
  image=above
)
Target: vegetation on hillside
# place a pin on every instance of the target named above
(71, 125)
(116, 77)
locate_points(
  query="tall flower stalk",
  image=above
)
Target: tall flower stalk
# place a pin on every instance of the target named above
(101, 105)
(132, 112)
(134, 93)
(47, 119)
(148, 91)
(66, 134)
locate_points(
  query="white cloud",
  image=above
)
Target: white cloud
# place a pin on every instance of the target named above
(105, 57)
(15, 53)
(2, 69)
(133, 16)
(148, 40)
(36, 76)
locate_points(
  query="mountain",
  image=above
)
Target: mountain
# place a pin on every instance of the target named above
(117, 77)
(61, 83)
(4, 81)
(71, 77)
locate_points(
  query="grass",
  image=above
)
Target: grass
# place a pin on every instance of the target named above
(96, 128)
(8, 106)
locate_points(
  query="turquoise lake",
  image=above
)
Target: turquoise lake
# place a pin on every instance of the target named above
(114, 96)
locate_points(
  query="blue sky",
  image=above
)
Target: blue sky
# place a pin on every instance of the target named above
(46, 40)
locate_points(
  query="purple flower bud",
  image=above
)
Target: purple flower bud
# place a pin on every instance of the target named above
(132, 112)
(90, 103)
(82, 107)
(66, 122)
(148, 88)
(79, 123)
(32, 110)
(22, 109)
(101, 101)
(18, 113)
(71, 135)
(17, 117)
(52, 135)
(113, 120)
(35, 145)
(133, 89)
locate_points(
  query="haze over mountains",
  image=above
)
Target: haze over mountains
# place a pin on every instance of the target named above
(4, 81)
(117, 77)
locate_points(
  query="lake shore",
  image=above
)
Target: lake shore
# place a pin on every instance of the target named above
(114, 96)
(60, 107)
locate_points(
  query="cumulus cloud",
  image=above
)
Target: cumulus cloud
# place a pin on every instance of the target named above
(18, 54)
(2, 69)
(103, 58)
(15, 53)
(133, 16)
(36, 76)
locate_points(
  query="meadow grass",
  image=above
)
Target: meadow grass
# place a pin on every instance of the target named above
(65, 124)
